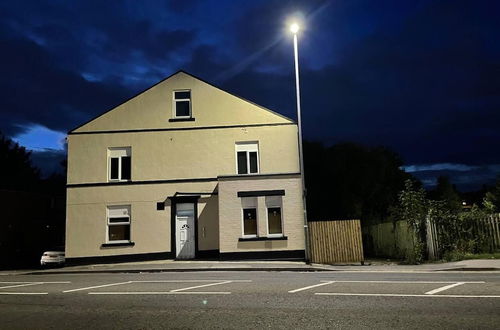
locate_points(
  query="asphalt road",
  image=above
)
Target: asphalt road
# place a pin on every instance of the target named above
(251, 300)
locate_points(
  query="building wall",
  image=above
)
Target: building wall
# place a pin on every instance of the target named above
(211, 106)
(164, 155)
(150, 228)
(230, 214)
(175, 150)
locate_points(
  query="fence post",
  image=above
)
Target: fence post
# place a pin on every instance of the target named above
(429, 239)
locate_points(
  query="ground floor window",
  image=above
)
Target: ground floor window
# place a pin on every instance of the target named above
(118, 224)
(249, 210)
(274, 216)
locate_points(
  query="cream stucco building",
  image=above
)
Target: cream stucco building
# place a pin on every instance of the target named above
(184, 170)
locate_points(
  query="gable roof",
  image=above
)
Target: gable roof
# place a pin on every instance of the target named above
(286, 119)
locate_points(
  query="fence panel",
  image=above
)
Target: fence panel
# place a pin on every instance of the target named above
(336, 241)
(489, 227)
(495, 229)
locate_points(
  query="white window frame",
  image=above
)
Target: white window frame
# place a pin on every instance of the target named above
(119, 152)
(249, 203)
(174, 104)
(127, 214)
(273, 204)
(247, 147)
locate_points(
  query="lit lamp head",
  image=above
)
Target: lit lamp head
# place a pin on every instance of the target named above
(294, 28)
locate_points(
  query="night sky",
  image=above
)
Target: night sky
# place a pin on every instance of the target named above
(420, 77)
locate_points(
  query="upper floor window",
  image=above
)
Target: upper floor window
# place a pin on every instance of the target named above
(182, 104)
(119, 163)
(247, 157)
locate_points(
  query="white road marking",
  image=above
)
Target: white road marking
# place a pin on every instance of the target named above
(200, 286)
(24, 284)
(445, 288)
(19, 285)
(97, 286)
(190, 281)
(156, 293)
(23, 293)
(176, 291)
(442, 271)
(402, 295)
(311, 286)
(56, 282)
(409, 282)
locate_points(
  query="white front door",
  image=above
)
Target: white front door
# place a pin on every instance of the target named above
(184, 231)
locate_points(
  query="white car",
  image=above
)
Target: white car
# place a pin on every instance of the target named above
(55, 258)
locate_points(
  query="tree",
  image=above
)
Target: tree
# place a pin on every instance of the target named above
(413, 208)
(16, 170)
(352, 181)
(34, 217)
(447, 193)
(492, 198)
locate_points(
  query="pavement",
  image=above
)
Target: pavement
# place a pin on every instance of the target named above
(190, 266)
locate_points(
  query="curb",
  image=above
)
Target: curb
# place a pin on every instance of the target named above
(183, 270)
(472, 269)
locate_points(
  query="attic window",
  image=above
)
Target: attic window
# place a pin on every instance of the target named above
(182, 104)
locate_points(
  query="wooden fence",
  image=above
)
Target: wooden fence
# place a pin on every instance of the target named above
(335, 241)
(489, 227)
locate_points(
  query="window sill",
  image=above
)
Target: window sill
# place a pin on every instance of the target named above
(249, 239)
(105, 245)
(181, 119)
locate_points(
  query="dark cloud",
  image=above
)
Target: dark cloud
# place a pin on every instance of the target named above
(419, 77)
(182, 7)
(468, 179)
(35, 90)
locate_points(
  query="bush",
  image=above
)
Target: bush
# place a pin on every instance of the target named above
(458, 232)
(412, 207)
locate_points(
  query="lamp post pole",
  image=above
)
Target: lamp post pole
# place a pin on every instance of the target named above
(295, 28)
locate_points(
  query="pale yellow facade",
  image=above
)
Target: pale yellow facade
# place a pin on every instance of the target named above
(176, 159)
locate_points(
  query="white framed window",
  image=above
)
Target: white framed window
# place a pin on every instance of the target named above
(274, 216)
(119, 164)
(247, 157)
(118, 224)
(249, 216)
(182, 104)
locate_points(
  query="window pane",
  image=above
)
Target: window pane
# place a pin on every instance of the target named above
(182, 109)
(119, 233)
(274, 220)
(182, 95)
(253, 162)
(250, 221)
(120, 219)
(126, 168)
(242, 162)
(114, 168)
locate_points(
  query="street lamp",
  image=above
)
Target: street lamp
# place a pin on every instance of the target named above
(294, 27)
